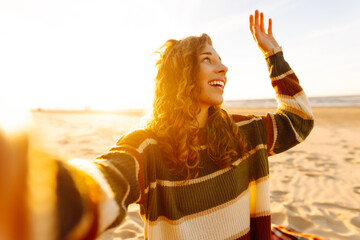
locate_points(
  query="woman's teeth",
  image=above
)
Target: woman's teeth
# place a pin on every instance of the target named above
(216, 83)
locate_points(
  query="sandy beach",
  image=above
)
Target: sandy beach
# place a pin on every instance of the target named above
(314, 187)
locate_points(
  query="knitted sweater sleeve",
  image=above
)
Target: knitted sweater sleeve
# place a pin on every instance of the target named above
(293, 120)
(94, 195)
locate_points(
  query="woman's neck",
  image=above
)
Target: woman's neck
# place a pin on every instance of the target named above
(202, 117)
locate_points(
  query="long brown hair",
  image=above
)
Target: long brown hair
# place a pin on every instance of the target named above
(176, 105)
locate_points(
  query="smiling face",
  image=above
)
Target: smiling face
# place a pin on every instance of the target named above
(211, 77)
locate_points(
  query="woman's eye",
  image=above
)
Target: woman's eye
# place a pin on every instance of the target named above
(207, 60)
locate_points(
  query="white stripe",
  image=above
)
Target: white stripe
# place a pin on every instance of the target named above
(242, 123)
(260, 197)
(219, 223)
(299, 102)
(150, 141)
(152, 185)
(146, 143)
(251, 152)
(282, 75)
(108, 209)
(272, 52)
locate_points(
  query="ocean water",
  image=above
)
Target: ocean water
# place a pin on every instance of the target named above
(330, 101)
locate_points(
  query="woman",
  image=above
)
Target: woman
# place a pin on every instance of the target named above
(196, 171)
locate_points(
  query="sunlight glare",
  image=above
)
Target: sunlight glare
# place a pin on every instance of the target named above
(14, 119)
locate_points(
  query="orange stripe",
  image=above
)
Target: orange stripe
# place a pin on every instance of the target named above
(269, 131)
(287, 86)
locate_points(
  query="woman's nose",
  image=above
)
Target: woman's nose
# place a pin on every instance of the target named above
(222, 68)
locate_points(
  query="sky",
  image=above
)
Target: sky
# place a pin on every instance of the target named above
(73, 54)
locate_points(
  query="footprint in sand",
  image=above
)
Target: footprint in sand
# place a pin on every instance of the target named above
(356, 221)
(286, 179)
(326, 205)
(291, 152)
(319, 175)
(351, 149)
(351, 153)
(330, 222)
(351, 160)
(288, 163)
(291, 208)
(299, 223)
(278, 195)
(357, 189)
(325, 164)
(346, 146)
(312, 158)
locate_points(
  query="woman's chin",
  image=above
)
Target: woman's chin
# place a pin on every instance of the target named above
(211, 102)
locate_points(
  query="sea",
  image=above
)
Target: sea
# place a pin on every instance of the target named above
(324, 101)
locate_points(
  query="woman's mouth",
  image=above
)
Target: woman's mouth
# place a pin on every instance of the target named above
(220, 84)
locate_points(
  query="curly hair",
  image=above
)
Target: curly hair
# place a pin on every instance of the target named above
(175, 108)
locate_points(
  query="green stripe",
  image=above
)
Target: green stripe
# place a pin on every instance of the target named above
(286, 137)
(189, 199)
(259, 166)
(120, 179)
(119, 186)
(255, 133)
(154, 165)
(277, 65)
(302, 126)
(125, 165)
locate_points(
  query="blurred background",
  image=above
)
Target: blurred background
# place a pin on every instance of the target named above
(98, 54)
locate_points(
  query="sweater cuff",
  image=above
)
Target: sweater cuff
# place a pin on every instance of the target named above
(277, 65)
(272, 52)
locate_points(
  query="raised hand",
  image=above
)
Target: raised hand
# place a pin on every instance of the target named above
(265, 41)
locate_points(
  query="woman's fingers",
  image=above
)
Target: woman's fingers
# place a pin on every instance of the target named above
(254, 23)
(264, 39)
(270, 27)
(251, 24)
(262, 25)
(256, 18)
(257, 25)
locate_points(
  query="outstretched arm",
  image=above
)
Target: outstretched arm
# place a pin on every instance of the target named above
(49, 198)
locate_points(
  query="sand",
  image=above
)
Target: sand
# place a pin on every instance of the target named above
(314, 187)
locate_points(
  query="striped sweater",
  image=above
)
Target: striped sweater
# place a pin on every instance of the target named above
(230, 203)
